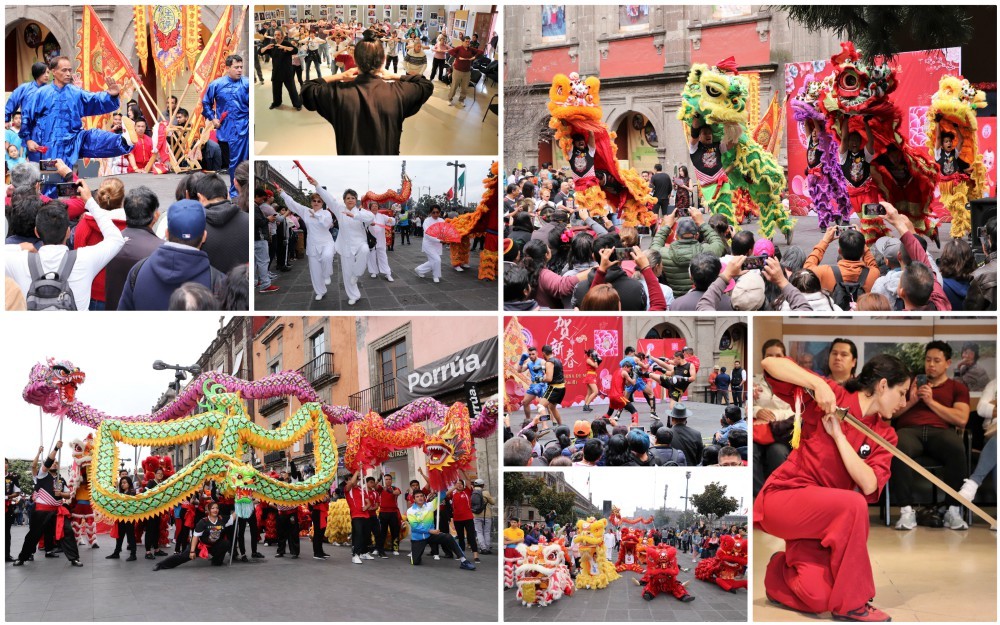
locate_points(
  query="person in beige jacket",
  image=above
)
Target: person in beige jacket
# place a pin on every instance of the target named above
(483, 520)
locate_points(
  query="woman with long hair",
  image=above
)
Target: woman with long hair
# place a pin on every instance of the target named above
(366, 105)
(817, 501)
(593, 362)
(682, 188)
(957, 264)
(124, 529)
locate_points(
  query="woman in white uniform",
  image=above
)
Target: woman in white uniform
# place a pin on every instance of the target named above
(378, 260)
(431, 247)
(319, 242)
(352, 240)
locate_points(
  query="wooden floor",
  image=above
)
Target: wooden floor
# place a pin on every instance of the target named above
(921, 575)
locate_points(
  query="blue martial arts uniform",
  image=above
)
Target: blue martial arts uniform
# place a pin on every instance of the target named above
(537, 372)
(54, 118)
(19, 98)
(225, 95)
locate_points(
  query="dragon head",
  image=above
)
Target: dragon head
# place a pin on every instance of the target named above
(450, 449)
(575, 97)
(661, 560)
(857, 86)
(715, 95)
(542, 572)
(52, 385)
(242, 480)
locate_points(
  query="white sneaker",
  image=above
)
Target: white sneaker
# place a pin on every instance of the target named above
(437, 557)
(319, 297)
(327, 282)
(395, 553)
(367, 556)
(389, 279)
(465, 266)
(907, 518)
(374, 275)
(420, 275)
(437, 279)
(968, 489)
(356, 560)
(457, 268)
(352, 302)
(953, 519)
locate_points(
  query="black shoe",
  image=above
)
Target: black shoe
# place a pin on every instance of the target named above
(274, 106)
(257, 554)
(279, 555)
(114, 556)
(75, 563)
(243, 558)
(688, 598)
(160, 553)
(51, 554)
(131, 558)
(18, 562)
(295, 557)
(383, 556)
(31, 558)
(150, 556)
(95, 546)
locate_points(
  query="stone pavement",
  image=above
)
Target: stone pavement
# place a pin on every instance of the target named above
(456, 291)
(702, 417)
(622, 602)
(270, 590)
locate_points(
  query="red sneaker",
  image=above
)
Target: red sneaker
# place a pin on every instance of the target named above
(866, 613)
(270, 289)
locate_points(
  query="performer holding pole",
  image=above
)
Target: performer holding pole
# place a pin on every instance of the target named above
(817, 501)
(227, 105)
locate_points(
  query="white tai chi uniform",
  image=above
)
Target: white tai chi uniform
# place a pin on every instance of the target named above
(432, 248)
(352, 242)
(319, 242)
(378, 261)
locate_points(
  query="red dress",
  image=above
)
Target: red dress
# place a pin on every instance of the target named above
(812, 503)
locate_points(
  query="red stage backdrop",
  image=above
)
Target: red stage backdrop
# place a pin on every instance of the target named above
(569, 338)
(917, 74)
(662, 349)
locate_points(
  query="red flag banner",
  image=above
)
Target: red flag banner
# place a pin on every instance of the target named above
(569, 338)
(768, 132)
(99, 57)
(168, 24)
(140, 20)
(451, 194)
(209, 66)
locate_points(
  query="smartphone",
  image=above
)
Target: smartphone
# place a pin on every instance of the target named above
(67, 189)
(570, 203)
(921, 380)
(47, 164)
(981, 233)
(623, 253)
(754, 262)
(873, 209)
(841, 229)
(681, 212)
(545, 417)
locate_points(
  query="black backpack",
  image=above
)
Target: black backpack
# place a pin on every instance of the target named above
(846, 294)
(50, 291)
(477, 502)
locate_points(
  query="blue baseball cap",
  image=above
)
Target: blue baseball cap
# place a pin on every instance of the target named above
(186, 220)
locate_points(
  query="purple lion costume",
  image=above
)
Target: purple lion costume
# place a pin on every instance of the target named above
(825, 182)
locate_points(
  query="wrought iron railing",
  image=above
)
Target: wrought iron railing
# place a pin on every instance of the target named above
(320, 369)
(381, 398)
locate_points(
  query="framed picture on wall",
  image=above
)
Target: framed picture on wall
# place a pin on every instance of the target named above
(387, 13)
(418, 14)
(434, 17)
(354, 13)
(402, 8)
(280, 13)
(460, 24)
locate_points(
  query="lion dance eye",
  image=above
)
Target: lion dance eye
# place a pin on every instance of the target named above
(713, 91)
(849, 80)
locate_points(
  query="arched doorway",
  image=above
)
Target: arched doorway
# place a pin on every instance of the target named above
(665, 331)
(733, 341)
(28, 41)
(637, 141)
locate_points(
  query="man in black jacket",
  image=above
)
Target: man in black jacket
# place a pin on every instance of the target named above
(226, 225)
(141, 212)
(686, 439)
(630, 291)
(662, 188)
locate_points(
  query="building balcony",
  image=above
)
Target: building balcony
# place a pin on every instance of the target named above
(320, 370)
(308, 448)
(273, 456)
(381, 398)
(272, 404)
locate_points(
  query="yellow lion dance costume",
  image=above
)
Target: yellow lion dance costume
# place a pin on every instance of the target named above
(596, 571)
(575, 105)
(718, 97)
(963, 174)
(338, 522)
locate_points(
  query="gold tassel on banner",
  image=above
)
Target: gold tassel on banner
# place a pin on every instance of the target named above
(192, 34)
(141, 25)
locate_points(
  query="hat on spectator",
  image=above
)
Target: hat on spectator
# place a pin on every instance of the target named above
(686, 228)
(508, 245)
(887, 247)
(186, 220)
(748, 294)
(679, 411)
(581, 428)
(763, 246)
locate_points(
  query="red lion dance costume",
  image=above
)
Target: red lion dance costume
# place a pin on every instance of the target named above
(84, 522)
(661, 574)
(726, 566)
(628, 556)
(150, 465)
(859, 90)
(481, 222)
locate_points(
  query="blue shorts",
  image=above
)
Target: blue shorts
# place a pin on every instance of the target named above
(640, 385)
(537, 389)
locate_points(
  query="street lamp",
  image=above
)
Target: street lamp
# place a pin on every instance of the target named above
(687, 480)
(180, 373)
(456, 165)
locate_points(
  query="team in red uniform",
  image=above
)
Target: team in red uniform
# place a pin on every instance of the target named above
(817, 500)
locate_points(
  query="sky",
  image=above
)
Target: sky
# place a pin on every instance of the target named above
(116, 352)
(383, 174)
(629, 488)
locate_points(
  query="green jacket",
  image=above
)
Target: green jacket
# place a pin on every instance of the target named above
(676, 257)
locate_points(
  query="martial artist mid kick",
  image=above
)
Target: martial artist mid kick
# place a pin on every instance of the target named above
(319, 242)
(378, 261)
(352, 241)
(227, 105)
(817, 500)
(53, 119)
(431, 247)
